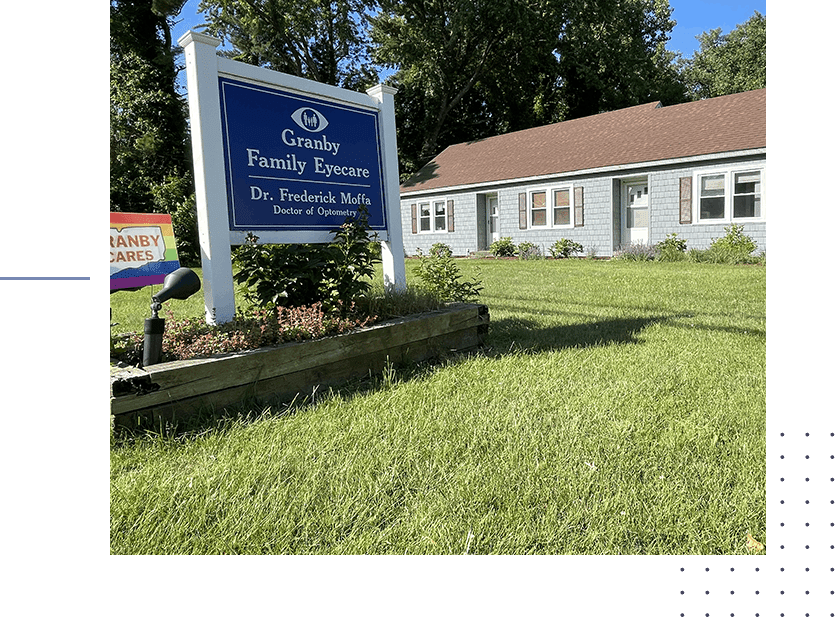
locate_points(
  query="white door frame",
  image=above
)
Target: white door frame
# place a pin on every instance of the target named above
(493, 226)
(638, 235)
(487, 234)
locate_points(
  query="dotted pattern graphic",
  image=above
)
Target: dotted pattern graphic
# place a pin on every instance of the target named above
(795, 575)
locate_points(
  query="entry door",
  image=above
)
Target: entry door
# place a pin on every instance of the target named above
(635, 213)
(493, 232)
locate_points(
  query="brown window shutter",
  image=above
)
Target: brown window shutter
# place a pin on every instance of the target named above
(450, 215)
(578, 206)
(414, 218)
(685, 200)
(523, 211)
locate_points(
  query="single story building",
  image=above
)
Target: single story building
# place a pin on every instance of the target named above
(633, 175)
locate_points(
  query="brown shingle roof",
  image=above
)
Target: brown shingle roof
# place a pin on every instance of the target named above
(637, 134)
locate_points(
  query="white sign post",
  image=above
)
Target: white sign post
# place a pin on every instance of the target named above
(287, 159)
(394, 266)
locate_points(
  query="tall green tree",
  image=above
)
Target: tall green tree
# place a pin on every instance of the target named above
(472, 68)
(727, 63)
(150, 154)
(321, 40)
(612, 54)
(463, 68)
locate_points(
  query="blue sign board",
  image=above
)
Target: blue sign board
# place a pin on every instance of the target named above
(294, 162)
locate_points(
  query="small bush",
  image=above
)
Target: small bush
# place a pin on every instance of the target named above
(442, 278)
(698, 255)
(734, 247)
(350, 264)
(503, 247)
(278, 274)
(529, 250)
(671, 248)
(565, 248)
(335, 274)
(439, 249)
(636, 251)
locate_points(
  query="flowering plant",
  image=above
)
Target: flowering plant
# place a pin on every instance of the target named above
(192, 337)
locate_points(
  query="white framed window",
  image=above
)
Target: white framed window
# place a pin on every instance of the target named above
(551, 207)
(747, 194)
(439, 209)
(729, 196)
(539, 208)
(562, 208)
(425, 214)
(432, 216)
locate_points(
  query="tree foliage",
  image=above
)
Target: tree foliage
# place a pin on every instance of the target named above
(612, 55)
(727, 63)
(469, 69)
(150, 155)
(321, 40)
(452, 59)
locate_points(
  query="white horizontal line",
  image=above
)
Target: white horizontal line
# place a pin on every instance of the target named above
(365, 186)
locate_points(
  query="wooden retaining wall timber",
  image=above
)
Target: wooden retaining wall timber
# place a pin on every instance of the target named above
(176, 389)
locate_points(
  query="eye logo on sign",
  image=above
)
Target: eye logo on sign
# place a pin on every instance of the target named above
(310, 119)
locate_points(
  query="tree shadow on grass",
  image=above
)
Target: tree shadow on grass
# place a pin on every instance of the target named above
(511, 335)
(516, 334)
(506, 336)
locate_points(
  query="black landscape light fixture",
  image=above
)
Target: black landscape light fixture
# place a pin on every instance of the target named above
(180, 284)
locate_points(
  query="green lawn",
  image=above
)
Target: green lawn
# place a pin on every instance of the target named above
(619, 410)
(129, 309)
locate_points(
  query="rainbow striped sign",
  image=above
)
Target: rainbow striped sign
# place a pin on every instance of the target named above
(142, 249)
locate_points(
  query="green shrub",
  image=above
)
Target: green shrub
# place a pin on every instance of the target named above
(439, 249)
(671, 248)
(698, 255)
(278, 274)
(503, 247)
(350, 266)
(734, 247)
(564, 248)
(334, 274)
(529, 250)
(376, 250)
(441, 277)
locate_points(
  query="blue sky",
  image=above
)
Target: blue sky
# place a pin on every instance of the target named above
(692, 16)
(696, 16)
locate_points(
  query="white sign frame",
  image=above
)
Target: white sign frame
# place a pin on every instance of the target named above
(203, 68)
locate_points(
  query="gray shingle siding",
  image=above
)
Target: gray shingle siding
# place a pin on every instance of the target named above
(461, 241)
(664, 215)
(602, 217)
